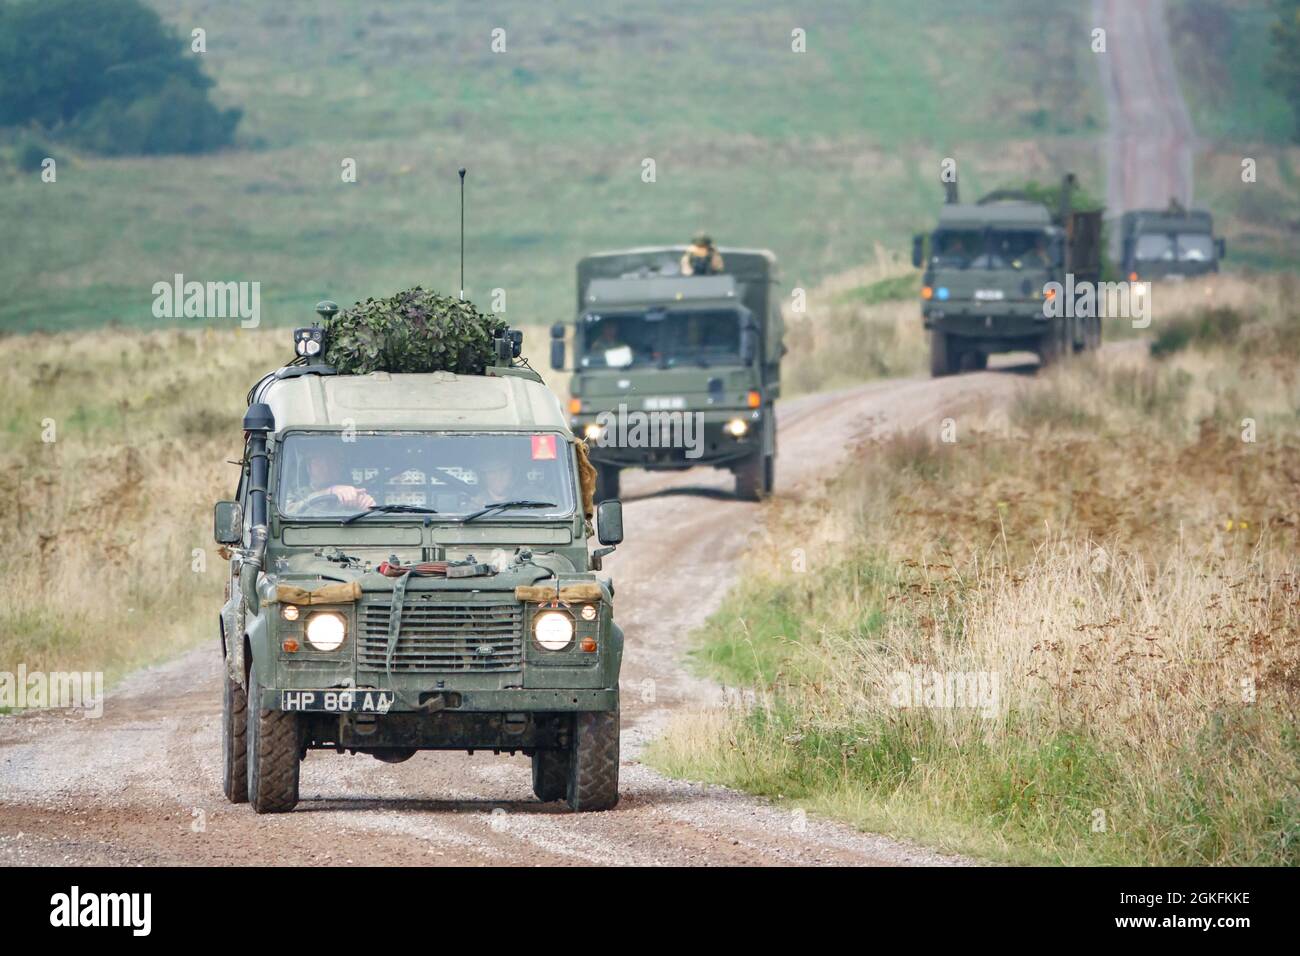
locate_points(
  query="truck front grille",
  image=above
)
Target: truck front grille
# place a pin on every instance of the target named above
(440, 637)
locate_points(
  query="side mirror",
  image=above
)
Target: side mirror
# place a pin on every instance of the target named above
(557, 346)
(748, 346)
(918, 250)
(609, 521)
(1222, 246)
(228, 522)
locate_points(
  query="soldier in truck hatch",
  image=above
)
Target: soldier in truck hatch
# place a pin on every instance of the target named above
(701, 258)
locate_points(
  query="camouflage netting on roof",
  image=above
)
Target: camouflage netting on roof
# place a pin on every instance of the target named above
(412, 331)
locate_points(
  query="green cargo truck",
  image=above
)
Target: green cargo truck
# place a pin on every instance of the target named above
(988, 266)
(674, 371)
(1172, 243)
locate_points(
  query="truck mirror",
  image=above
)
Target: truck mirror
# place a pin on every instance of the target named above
(748, 346)
(1222, 246)
(227, 522)
(609, 521)
(557, 330)
(557, 354)
(918, 250)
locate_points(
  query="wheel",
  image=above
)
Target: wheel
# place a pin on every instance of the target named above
(943, 354)
(606, 482)
(593, 762)
(234, 749)
(551, 774)
(974, 361)
(274, 754)
(754, 477)
(1094, 333)
(1052, 346)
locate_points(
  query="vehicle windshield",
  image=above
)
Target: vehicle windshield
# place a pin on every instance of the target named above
(335, 475)
(990, 249)
(662, 338)
(1195, 247)
(1154, 247)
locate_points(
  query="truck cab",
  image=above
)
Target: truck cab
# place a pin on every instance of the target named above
(411, 569)
(1172, 243)
(987, 268)
(674, 371)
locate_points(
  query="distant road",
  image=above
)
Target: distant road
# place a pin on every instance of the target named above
(1150, 139)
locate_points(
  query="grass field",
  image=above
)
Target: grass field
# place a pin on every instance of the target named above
(1112, 556)
(818, 155)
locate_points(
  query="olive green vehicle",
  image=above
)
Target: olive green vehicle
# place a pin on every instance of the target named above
(988, 268)
(410, 570)
(676, 351)
(1173, 243)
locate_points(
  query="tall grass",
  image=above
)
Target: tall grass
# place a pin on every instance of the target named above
(1112, 553)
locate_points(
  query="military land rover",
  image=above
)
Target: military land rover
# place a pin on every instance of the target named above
(410, 570)
(674, 350)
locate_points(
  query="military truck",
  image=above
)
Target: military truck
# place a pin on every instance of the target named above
(987, 271)
(674, 371)
(1172, 243)
(410, 570)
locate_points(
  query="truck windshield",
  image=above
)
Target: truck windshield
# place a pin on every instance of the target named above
(990, 249)
(1195, 247)
(336, 474)
(662, 338)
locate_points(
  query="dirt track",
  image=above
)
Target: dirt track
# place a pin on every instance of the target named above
(1150, 137)
(142, 784)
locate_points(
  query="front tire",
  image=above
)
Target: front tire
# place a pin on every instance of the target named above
(274, 753)
(943, 354)
(593, 762)
(551, 774)
(234, 742)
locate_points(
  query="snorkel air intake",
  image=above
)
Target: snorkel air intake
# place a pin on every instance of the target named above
(258, 423)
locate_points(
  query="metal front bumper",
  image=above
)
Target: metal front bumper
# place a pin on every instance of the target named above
(520, 700)
(991, 321)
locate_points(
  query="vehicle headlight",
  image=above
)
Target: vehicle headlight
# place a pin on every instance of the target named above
(593, 431)
(553, 630)
(737, 427)
(326, 630)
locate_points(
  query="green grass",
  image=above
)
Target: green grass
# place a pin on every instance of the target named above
(817, 155)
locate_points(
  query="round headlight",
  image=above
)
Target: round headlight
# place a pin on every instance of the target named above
(593, 431)
(554, 630)
(325, 631)
(737, 427)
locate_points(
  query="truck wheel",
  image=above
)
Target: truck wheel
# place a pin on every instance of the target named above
(234, 750)
(752, 477)
(943, 352)
(551, 774)
(1094, 333)
(1049, 348)
(274, 754)
(606, 482)
(593, 762)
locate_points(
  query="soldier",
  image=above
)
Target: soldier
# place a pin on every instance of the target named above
(325, 468)
(701, 258)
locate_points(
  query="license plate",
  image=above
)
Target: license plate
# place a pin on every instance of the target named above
(338, 701)
(988, 295)
(666, 404)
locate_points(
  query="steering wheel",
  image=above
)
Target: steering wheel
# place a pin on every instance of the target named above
(320, 502)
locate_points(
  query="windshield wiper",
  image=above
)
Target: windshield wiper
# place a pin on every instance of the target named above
(502, 505)
(390, 509)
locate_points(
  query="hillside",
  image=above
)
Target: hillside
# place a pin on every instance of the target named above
(817, 155)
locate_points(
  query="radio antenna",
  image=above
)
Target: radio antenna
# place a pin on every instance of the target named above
(462, 232)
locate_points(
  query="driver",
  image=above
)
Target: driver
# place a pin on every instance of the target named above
(498, 480)
(326, 469)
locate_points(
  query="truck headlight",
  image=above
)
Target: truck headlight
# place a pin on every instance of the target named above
(326, 630)
(737, 427)
(553, 630)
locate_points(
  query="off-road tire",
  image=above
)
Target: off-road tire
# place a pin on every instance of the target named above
(944, 356)
(274, 754)
(593, 762)
(1053, 346)
(551, 774)
(234, 738)
(606, 482)
(753, 477)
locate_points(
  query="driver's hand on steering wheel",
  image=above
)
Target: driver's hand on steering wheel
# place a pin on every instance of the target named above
(350, 496)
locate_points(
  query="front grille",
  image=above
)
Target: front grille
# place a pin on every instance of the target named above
(440, 637)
